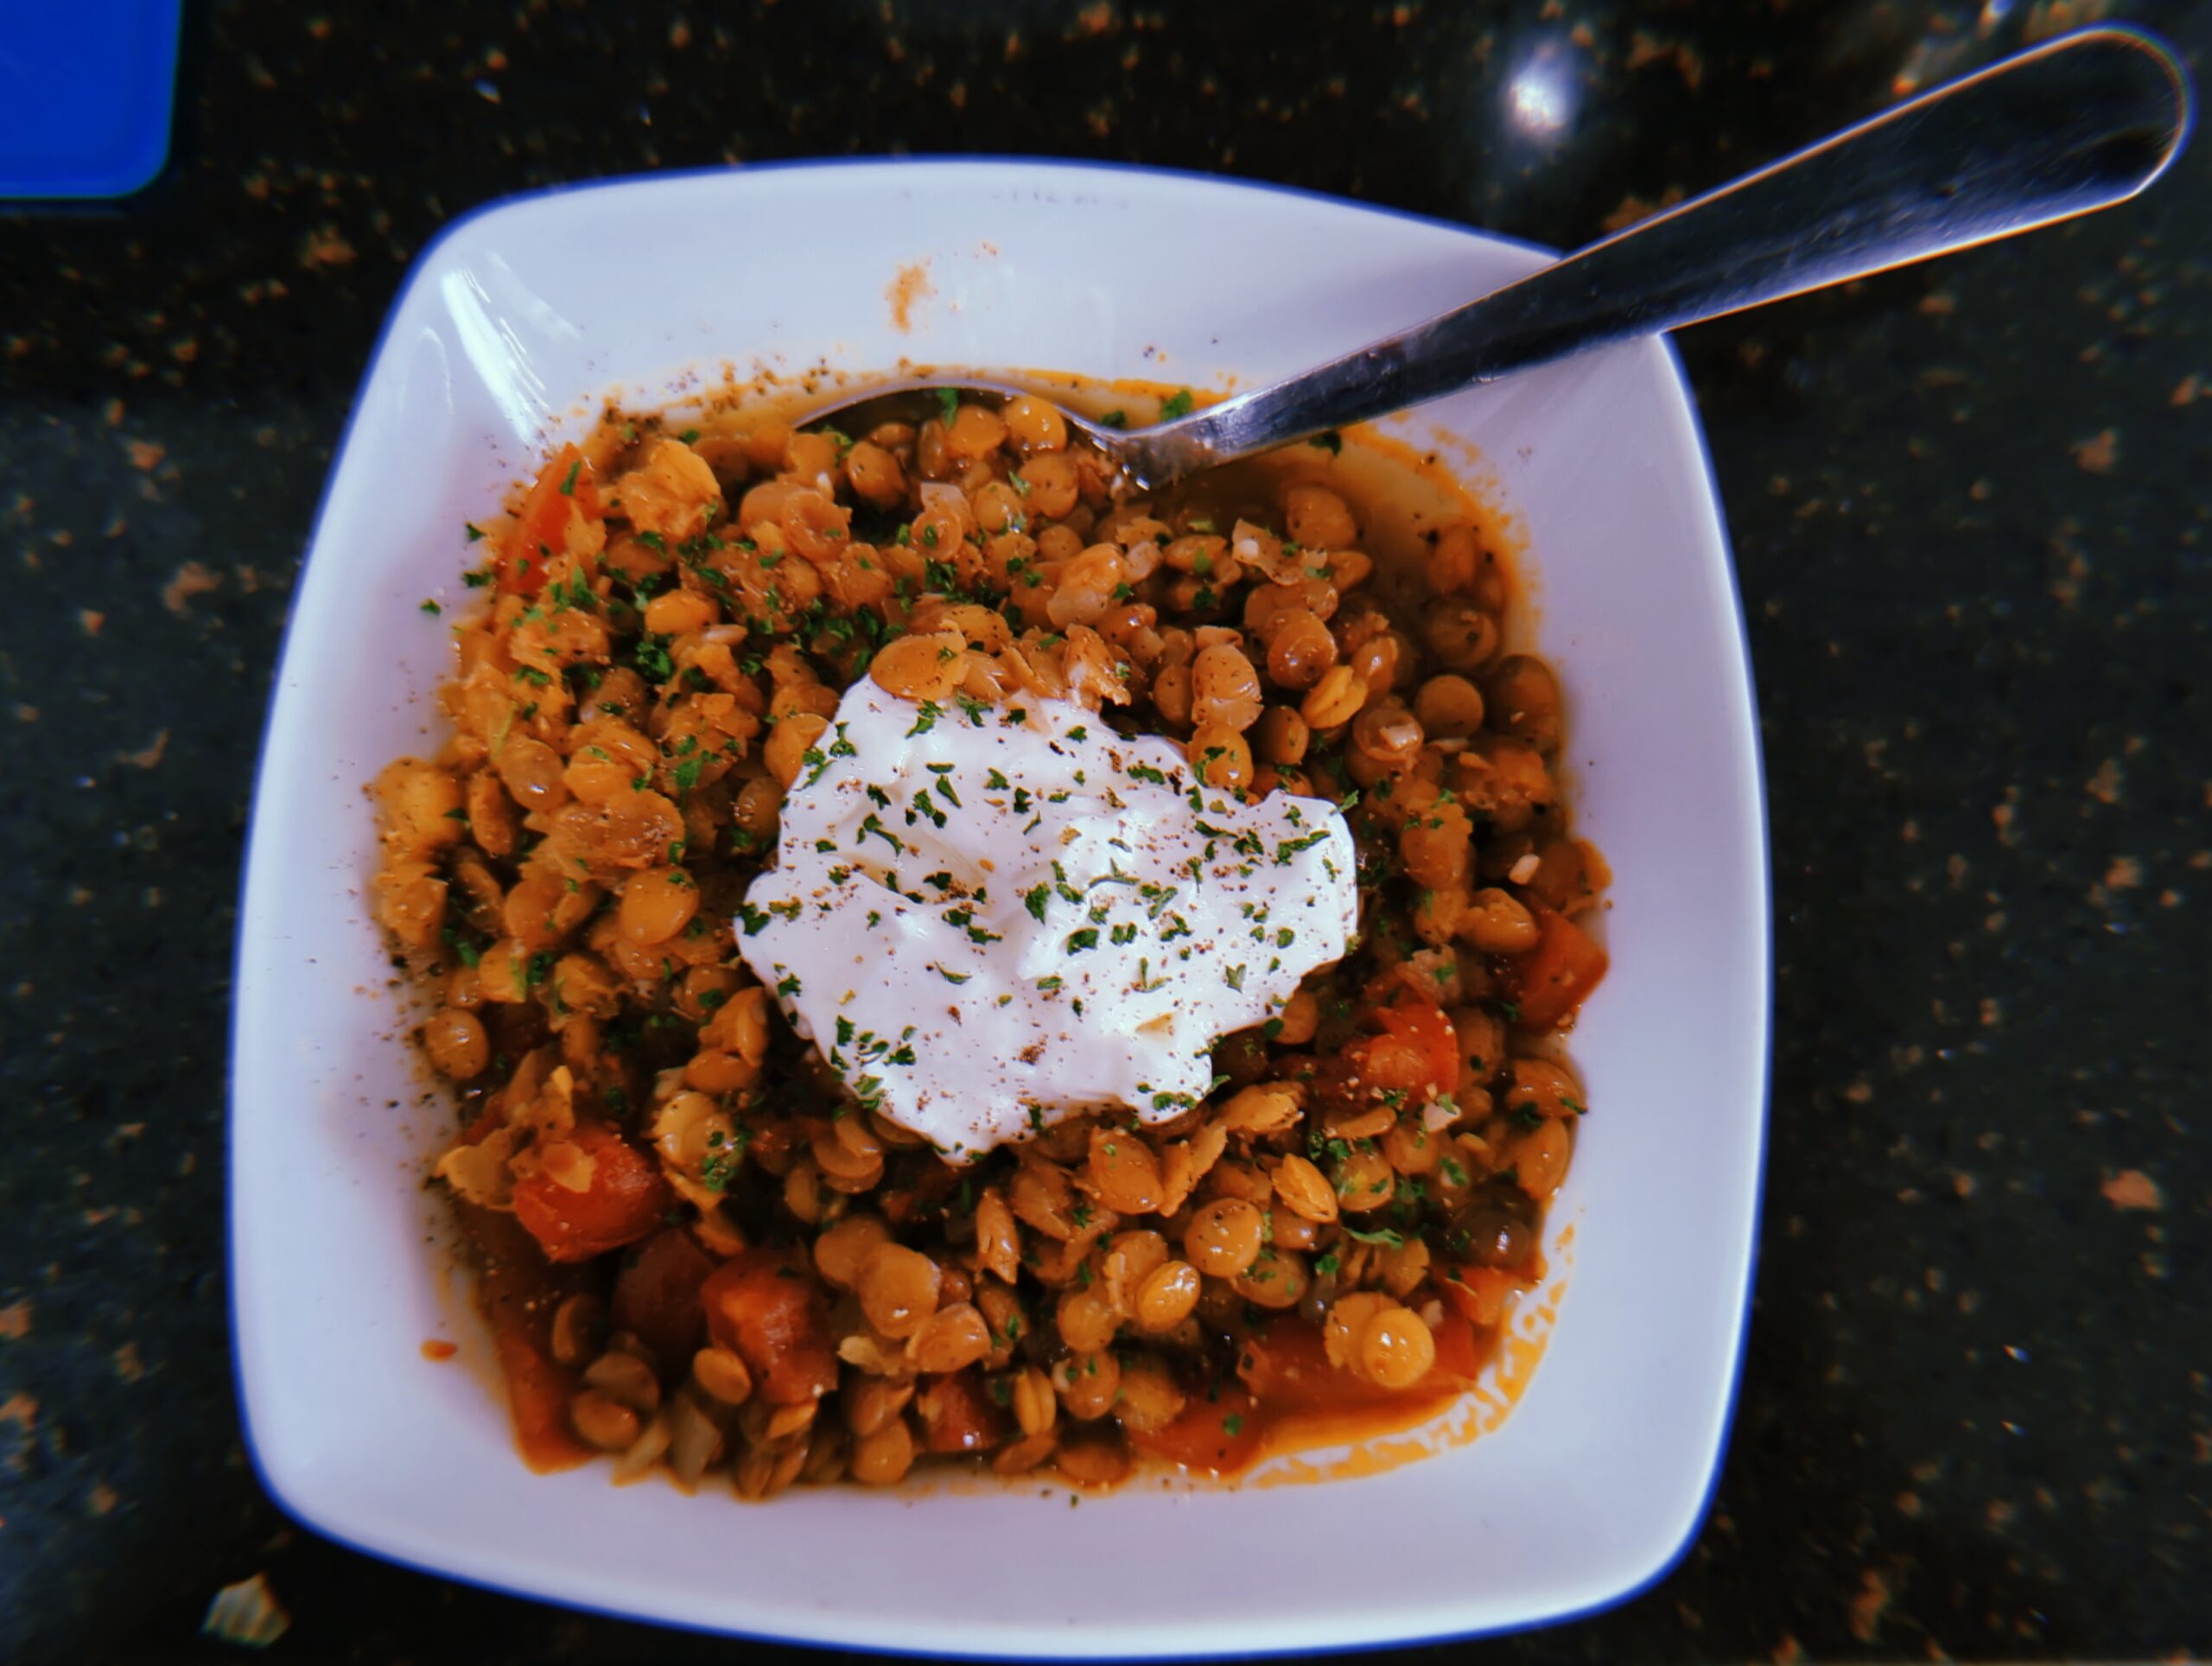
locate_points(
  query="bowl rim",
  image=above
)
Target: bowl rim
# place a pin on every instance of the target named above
(371, 1543)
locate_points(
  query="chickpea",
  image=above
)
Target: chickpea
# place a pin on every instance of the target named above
(950, 1339)
(1281, 736)
(1411, 1148)
(1040, 1196)
(1087, 1383)
(1462, 639)
(1380, 660)
(882, 1457)
(544, 908)
(678, 613)
(845, 1246)
(1364, 1181)
(875, 474)
(998, 1240)
(1334, 699)
(1304, 1190)
(998, 508)
(1224, 689)
(586, 988)
(928, 666)
(1086, 1322)
(579, 1329)
(1498, 924)
(721, 1376)
(602, 1423)
(1449, 708)
(1060, 544)
(1300, 1018)
(1278, 1279)
(1123, 1174)
(1452, 560)
(1540, 1157)
(1319, 518)
(1171, 695)
(1261, 1109)
(1224, 1238)
(872, 1403)
(974, 431)
(1350, 569)
(1087, 586)
(757, 809)
(1387, 736)
(1036, 424)
(850, 1154)
(1546, 1088)
(1053, 488)
(658, 904)
(1524, 702)
(898, 1288)
(531, 771)
(1395, 1349)
(1299, 649)
(1150, 1399)
(502, 972)
(1036, 1407)
(1167, 1296)
(1220, 757)
(1099, 1458)
(456, 1043)
(1437, 848)
(807, 457)
(789, 741)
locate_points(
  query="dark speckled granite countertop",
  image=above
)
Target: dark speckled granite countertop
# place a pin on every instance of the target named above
(1970, 504)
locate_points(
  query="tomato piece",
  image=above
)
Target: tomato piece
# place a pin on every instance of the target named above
(565, 493)
(625, 1201)
(518, 1291)
(1286, 1365)
(1215, 1436)
(958, 1414)
(765, 1305)
(657, 1295)
(1551, 980)
(1414, 1052)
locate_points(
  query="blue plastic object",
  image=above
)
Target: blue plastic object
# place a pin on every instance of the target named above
(87, 91)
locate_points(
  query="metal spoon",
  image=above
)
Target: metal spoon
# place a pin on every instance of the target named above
(2078, 124)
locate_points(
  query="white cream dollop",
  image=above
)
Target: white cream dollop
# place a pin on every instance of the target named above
(991, 917)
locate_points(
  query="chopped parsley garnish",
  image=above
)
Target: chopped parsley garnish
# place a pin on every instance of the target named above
(1178, 403)
(1389, 1236)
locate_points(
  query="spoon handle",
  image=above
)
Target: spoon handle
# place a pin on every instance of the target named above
(2078, 124)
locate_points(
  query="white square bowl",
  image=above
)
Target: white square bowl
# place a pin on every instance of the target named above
(511, 324)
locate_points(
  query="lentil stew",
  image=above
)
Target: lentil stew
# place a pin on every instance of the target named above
(701, 1251)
